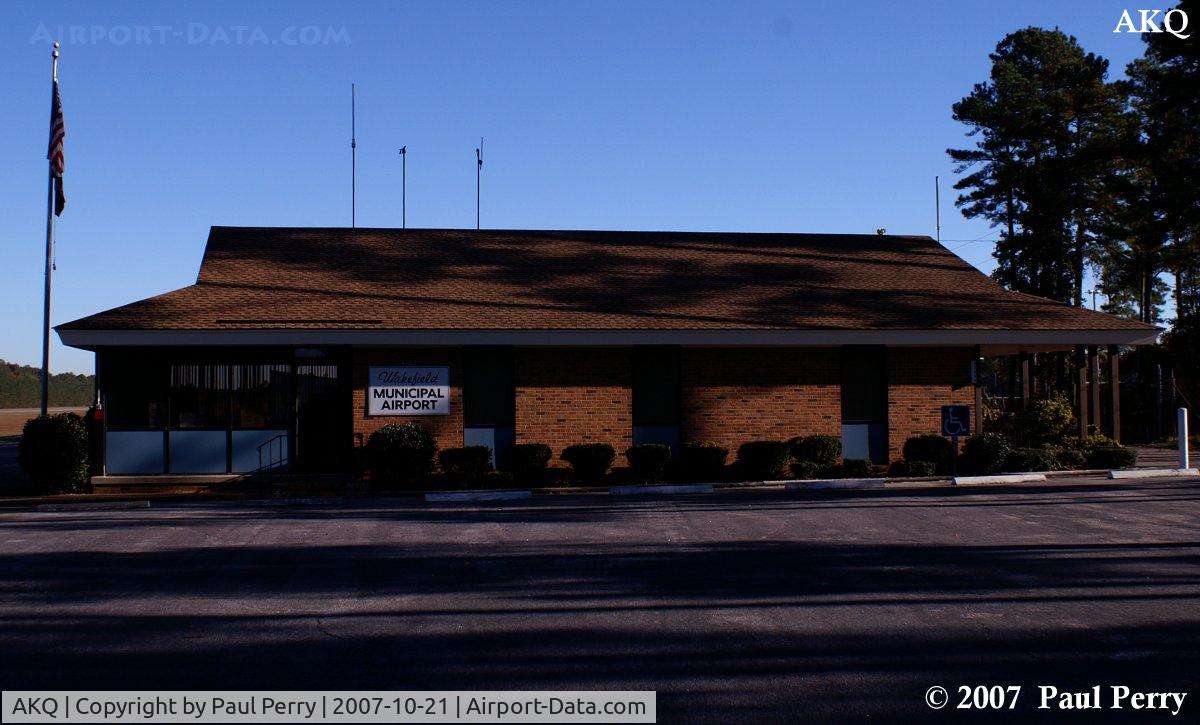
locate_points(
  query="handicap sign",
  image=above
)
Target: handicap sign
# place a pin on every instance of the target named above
(956, 420)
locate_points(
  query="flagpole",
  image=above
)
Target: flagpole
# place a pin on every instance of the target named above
(353, 167)
(49, 259)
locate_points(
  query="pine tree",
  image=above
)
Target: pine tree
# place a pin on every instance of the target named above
(1048, 124)
(1164, 85)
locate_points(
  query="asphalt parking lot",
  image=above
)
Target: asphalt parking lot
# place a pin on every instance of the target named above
(749, 605)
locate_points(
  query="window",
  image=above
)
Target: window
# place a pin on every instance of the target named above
(864, 385)
(134, 390)
(488, 397)
(199, 396)
(261, 396)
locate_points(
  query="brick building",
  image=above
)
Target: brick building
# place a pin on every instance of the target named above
(294, 345)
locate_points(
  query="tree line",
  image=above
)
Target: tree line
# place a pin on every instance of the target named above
(1083, 174)
(21, 385)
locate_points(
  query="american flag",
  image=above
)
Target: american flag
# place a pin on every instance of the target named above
(55, 152)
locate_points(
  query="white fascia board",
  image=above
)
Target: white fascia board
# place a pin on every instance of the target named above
(600, 338)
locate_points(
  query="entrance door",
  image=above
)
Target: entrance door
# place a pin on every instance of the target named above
(489, 402)
(322, 420)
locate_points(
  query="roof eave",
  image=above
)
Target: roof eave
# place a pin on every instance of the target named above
(89, 339)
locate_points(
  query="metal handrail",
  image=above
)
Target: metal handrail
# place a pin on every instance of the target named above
(270, 444)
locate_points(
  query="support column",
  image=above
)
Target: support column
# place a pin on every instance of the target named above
(978, 363)
(1114, 374)
(1094, 359)
(1026, 382)
(1082, 406)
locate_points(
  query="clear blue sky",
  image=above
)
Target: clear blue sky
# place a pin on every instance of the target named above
(744, 116)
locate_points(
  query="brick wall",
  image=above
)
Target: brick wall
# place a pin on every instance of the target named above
(729, 396)
(920, 382)
(568, 396)
(447, 429)
(732, 396)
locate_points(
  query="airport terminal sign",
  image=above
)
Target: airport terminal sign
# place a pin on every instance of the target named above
(408, 391)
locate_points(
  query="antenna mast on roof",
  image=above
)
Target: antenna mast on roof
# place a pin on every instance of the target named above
(478, 169)
(937, 207)
(353, 167)
(404, 187)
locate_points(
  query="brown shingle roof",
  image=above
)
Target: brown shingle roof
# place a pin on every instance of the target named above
(423, 279)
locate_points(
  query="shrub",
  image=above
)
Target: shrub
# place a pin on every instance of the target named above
(1111, 457)
(849, 468)
(496, 479)
(818, 449)
(805, 469)
(648, 460)
(1047, 420)
(590, 461)
(762, 460)
(856, 468)
(1065, 459)
(467, 463)
(1021, 460)
(915, 469)
(400, 454)
(527, 462)
(54, 453)
(703, 461)
(1087, 443)
(986, 452)
(932, 448)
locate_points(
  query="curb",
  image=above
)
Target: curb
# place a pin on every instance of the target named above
(292, 502)
(816, 484)
(665, 489)
(97, 506)
(1153, 473)
(449, 496)
(999, 478)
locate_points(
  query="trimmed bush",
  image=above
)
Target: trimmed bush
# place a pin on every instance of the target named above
(986, 452)
(589, 461)
(1021, 460)
(54, 453)
(527, 462)
(762, 460)
(703, 461)
(915, 469)
(818, 449)
(849, 468)
(1066, 459)
(1047, 420)
(466, 463)
(856, 468)
(400, 454)
(1087, 443)
(805, 469)
(932, 448)
(1111, 457)
(648, 460)
(496, 479)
